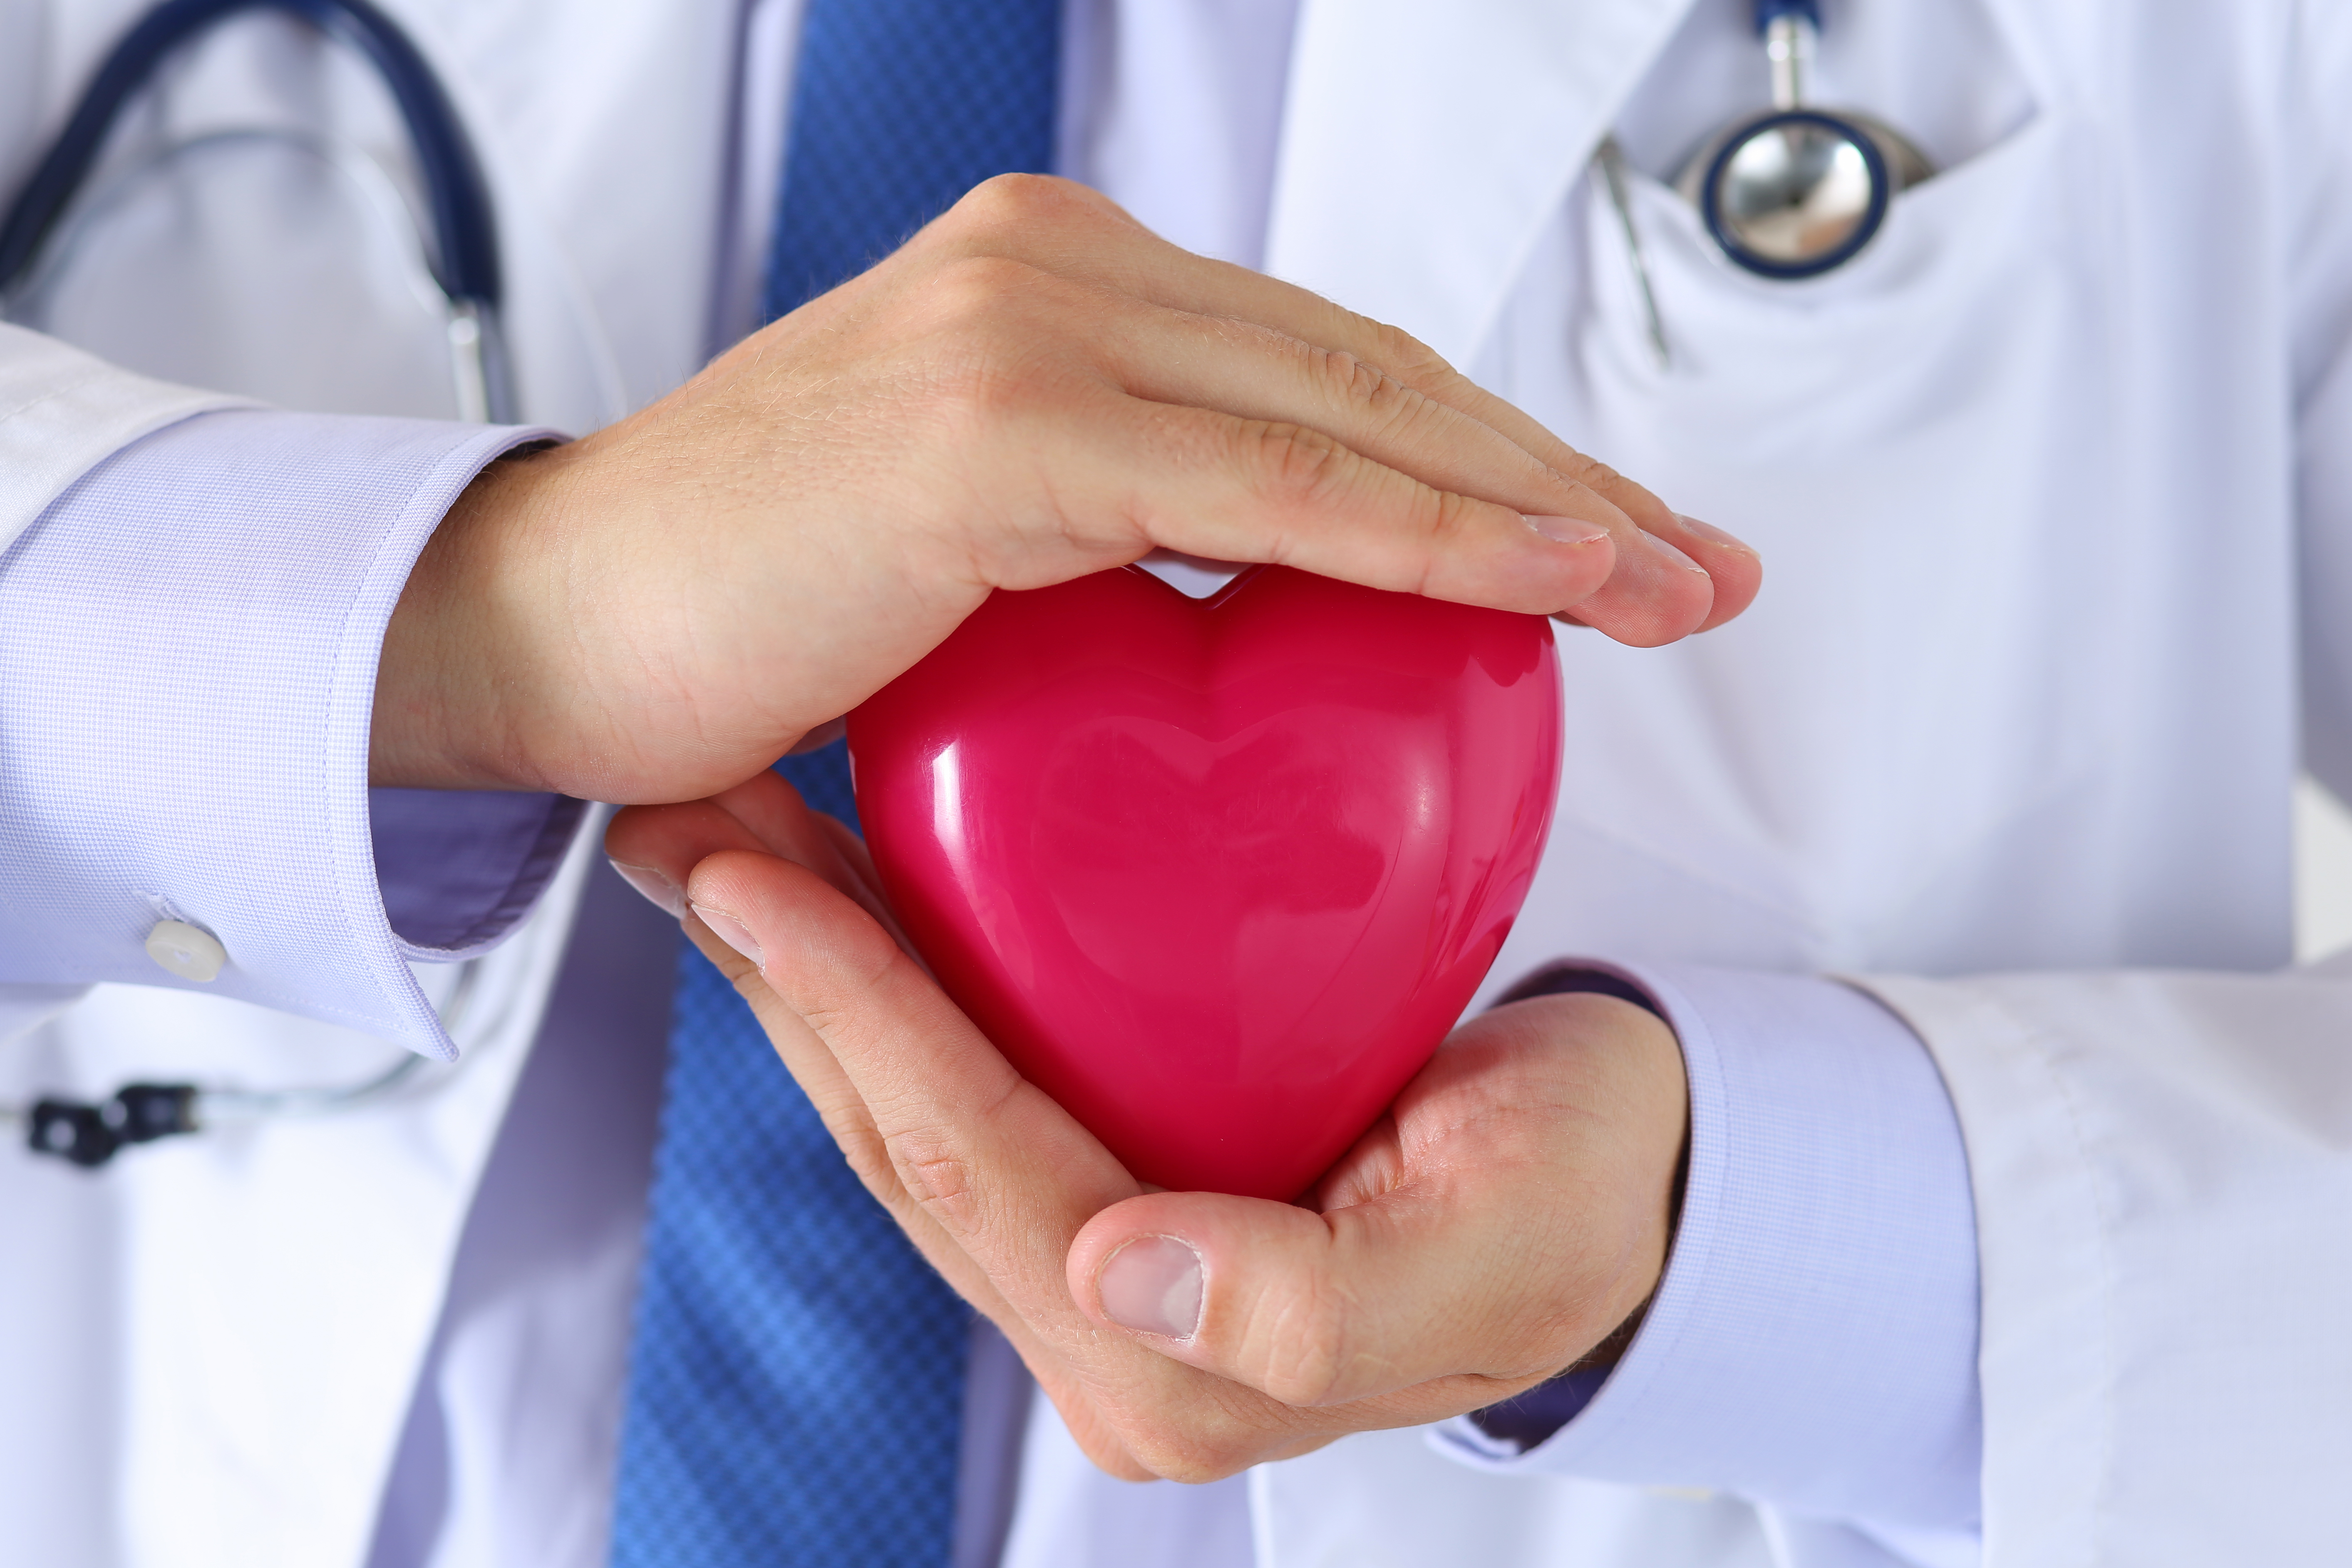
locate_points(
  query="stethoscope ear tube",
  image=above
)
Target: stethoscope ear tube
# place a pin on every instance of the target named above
(465, 263)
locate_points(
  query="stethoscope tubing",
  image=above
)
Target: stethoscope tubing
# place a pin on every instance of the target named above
(90, 1133)
(465, 261)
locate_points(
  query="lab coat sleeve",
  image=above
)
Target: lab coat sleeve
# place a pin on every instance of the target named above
(63, 412)
(1811, 1346)
(189, 633)
(2319, 296)
(2163, 1169)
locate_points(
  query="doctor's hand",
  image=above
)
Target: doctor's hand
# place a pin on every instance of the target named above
(1510, 1212)
(1034, 388)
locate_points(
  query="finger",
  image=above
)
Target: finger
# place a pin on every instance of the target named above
(1080, 234)
(1004, 1172)
(1672, 574)
(859, 860)
(989, 1198)
(1509, 1214)
(850, 1124)
(1211, 484)
(1645, 600)
(1168, 276)
(990, 1177)
(661, 845)
(665, 843)
(1259, 374)
(656, 847)
(1310, 1309)
(1731, 563)
(727, 941)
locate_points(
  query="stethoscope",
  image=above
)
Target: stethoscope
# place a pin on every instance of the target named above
(90, 1133)
(462, 260)
(463, 257)
(1788, 195)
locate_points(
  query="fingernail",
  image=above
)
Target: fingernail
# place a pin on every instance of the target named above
(730, 931)
(1152, 1285)
(1708, 532)
(1676, 556)
(659, 889)
(1566, 530)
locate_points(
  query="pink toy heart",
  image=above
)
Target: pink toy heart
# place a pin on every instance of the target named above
(1217, 875)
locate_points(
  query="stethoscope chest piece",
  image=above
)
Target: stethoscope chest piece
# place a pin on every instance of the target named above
(1794, 194)
(1799, 191)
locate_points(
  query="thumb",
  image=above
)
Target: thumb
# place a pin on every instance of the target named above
(1324, 1308)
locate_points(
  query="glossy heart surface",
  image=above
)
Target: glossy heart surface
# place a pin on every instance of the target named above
(1219, 874)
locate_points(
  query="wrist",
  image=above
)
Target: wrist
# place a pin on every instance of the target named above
(1622, 1058)
(462, 678)
(1664, 1051)
(1662, 1170)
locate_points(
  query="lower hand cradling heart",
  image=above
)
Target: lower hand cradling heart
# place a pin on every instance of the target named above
(1503, 1212)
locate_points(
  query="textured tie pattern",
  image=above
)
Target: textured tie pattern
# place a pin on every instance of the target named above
(796, 1382)
(797, 1385)
(899, 107)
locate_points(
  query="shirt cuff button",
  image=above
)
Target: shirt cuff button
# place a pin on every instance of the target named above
(189, 952)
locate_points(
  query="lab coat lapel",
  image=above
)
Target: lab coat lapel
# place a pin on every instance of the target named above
(1405, 188)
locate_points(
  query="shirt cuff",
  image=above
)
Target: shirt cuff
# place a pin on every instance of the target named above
(189, 636)
(460, 868)
(1811, 1345)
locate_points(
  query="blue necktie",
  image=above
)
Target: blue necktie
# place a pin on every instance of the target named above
(796, 1382)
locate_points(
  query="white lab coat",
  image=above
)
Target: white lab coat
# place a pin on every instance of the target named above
(2054, 491)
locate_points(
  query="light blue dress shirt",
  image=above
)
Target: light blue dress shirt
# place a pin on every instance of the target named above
(1813, 1344)
(188, 647)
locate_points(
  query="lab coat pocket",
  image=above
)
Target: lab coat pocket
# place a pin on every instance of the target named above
(1892, 745)
(1851, 358)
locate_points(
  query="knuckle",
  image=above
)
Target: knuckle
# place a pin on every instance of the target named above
(1006, 207)
(1364, 387)
(828, 1004)
(982, 398)
(1451, 516)
(1410, 359)
(976, 394)
(930, 1168)
(1296, 464)
(1195, 1456)
(979, 293)
(931, 1153)
(989, 355)
(1198, 1465)
(1595, 474)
